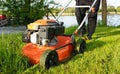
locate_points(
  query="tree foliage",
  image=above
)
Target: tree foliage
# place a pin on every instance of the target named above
(118, 9)
(68, 10)
(24, 11)
(111, 9)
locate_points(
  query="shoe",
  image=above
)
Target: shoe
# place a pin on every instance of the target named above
(88, 37)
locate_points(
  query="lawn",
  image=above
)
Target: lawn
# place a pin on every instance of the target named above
(101, 57)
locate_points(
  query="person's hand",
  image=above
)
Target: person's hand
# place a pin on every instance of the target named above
(76, 32)
(93, 10)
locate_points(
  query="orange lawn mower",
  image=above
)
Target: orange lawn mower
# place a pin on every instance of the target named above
(46, 43)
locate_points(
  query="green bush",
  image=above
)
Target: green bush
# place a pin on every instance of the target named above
(70, 10)
(23, 12)
(118, 9)
(111, 9)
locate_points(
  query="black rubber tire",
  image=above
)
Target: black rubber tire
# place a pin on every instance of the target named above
(49, 58)
(74, 44)
(82, 46)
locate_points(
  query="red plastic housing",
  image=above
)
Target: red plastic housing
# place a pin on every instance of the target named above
(34, 51)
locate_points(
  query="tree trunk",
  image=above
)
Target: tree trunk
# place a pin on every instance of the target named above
(104, 12)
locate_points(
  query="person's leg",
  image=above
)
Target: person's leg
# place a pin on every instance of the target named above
(92, 20)
(80, 14)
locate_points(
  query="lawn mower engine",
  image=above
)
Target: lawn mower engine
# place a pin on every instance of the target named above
(43, 32)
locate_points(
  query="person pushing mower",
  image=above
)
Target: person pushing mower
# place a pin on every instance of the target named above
(92, 17)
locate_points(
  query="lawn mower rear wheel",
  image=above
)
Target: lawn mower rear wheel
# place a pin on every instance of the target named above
(49, 58)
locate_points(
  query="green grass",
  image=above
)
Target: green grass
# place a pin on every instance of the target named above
(11, 61)
(101, 57)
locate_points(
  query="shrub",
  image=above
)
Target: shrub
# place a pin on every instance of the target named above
(118, 9)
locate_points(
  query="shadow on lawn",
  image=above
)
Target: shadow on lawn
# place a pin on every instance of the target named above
(97, 43)
(94, 44)
(107, 34)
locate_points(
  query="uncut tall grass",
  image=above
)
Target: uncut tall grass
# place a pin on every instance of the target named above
(11, 60)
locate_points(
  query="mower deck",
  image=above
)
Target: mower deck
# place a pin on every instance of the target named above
(64, 48)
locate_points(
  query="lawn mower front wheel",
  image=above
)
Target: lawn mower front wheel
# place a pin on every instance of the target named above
(49, 58)
(82, 46)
